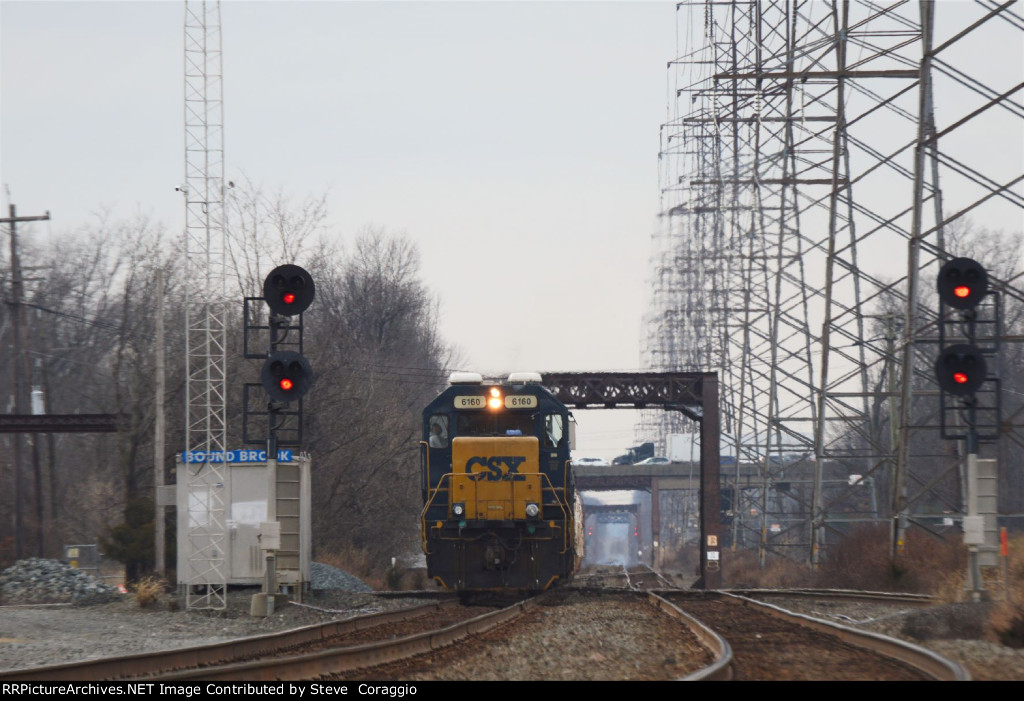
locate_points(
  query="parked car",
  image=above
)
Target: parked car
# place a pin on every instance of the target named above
(588, 462)
(656, 460)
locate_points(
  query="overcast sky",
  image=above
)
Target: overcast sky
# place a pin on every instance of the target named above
(515, 142)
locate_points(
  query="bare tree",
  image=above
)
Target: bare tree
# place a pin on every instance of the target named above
(376, 337)
(264, 231)
(371, 336)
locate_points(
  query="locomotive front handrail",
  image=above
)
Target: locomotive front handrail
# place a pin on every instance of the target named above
(567, 517)
(429, 503)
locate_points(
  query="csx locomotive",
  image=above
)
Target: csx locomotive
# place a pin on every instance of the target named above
(500, 509)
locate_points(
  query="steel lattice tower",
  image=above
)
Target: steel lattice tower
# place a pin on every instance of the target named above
(206, 414)
(817, 158)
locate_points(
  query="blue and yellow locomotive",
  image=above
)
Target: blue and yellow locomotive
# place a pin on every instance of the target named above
(500, 510)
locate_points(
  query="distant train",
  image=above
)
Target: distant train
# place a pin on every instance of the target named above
(500, 509)
(613, 540)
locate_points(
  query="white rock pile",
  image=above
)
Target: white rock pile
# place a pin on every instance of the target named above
(40, 581)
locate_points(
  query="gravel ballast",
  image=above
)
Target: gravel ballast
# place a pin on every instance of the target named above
(52, 616)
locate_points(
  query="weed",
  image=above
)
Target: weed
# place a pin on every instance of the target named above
(147, 592)
(1007, 623)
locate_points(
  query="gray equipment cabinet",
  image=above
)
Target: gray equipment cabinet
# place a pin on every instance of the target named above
(244, 494)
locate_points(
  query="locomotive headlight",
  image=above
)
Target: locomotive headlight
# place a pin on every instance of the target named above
(494, 402)
(532, 510)
(458, 510)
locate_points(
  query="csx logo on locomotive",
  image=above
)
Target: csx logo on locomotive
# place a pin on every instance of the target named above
(496, 468)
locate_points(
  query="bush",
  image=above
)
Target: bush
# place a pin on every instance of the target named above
(863, 560)
(393, 578)
(132, 543)
(742, 570)
(1007, 622)
(147, 592)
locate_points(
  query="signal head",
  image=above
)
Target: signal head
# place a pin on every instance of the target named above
(960, 369)
(962, 283)
(288, 290)
(286, 376)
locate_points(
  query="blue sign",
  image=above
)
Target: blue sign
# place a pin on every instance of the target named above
(232, 456)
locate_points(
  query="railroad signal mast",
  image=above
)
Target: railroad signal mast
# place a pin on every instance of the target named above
(969, 397)
(285, 378)
(286, 375)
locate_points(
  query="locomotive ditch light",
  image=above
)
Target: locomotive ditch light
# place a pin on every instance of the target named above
(458, 510)
(960, 369)
(532, 510)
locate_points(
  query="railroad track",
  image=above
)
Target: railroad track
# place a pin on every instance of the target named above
(581, 633)
(358, 630)
(769, 643)
(635, 577)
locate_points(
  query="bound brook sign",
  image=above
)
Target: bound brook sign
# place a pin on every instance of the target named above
(244, 455)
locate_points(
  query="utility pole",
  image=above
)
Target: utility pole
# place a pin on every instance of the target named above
(21, 371)
(159, 438)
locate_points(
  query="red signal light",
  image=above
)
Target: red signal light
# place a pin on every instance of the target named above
(961, 369)
(962, 283)
(286, 375)
(288, 290)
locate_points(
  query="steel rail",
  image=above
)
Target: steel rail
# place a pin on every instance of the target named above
(342, 659)
(721, 668)
(161, 661)
(927, 662)
(850, 594)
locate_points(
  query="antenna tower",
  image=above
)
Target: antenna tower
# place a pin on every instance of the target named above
(206, 308)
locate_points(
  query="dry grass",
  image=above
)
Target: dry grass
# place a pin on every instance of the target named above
(927, 565)
(1007, 587)
(147, 592)
(742, 570)
(863, 560)
(1007, 623)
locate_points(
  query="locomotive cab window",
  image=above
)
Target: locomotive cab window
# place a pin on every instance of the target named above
(438, 431)
(553, 430)
(500, 424)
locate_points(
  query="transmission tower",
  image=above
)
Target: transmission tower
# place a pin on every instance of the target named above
(819, 160)
(206, 414)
